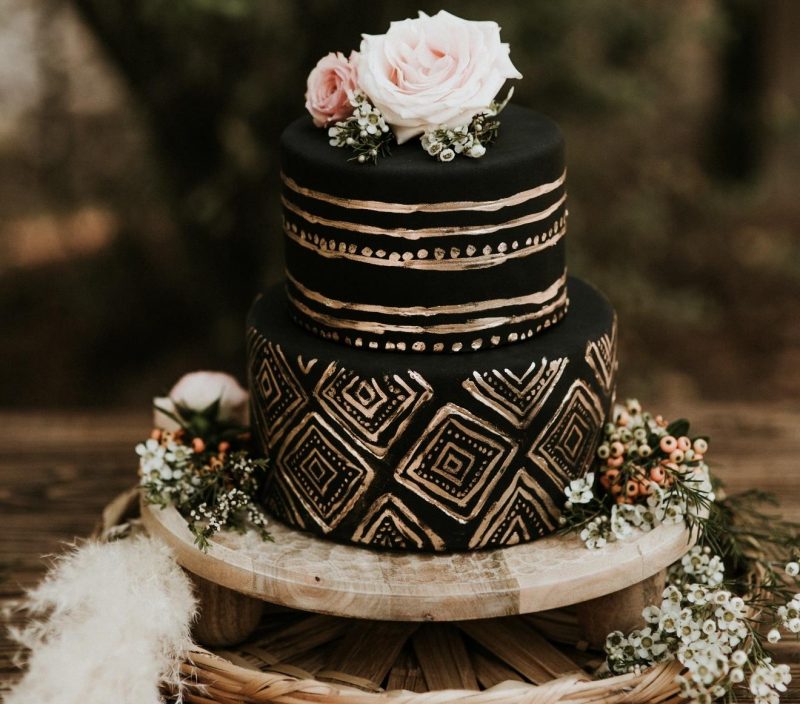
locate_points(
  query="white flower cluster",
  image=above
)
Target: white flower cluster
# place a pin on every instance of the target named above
(579, 491)
(789, 614)
(661, 507)
(444, 143)
(163, 466)
(365, 131)
(698, 565)
(707, 631)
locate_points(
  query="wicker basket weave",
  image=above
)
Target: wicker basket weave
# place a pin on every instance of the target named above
(296, 657)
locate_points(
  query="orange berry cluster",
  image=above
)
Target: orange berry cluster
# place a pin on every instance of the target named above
(216, 460)
(639, 455)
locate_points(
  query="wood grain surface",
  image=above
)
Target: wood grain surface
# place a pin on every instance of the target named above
(302, 571)
(58, 470)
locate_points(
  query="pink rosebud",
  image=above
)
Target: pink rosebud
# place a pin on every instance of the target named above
(330, 86)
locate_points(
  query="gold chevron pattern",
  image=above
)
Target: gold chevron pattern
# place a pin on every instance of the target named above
(373, 411)
(456, 462)
(516, 397)
(390, 524)
(522, 513)
(565, 448)
(601, 356)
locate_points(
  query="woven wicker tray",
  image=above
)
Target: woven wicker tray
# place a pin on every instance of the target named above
(294, 656)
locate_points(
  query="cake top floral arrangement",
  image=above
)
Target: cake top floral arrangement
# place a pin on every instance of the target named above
(434, 77)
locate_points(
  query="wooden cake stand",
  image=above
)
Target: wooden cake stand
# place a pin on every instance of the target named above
(609, 587)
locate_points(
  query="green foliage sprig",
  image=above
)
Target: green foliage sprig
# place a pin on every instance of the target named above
(205, 469)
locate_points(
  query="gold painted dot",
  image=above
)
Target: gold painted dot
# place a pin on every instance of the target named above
(515, 245)
(530, 332)
(470, 250)
(487, 249)
(316, 239)
(380, 253)
(359, 342)
(438, 253)
(512, 337)
(528, 241)
(373, 345)
(502, 247)
(418, 346)
(422, 254)
(455, 252)
(456, 347)
(390, 345)
(394, 257)
(323, 243)
(352, 248)
(342, 247)
(476, 344)
(495, 339)
(293, 227)
(367, 251)
(332, 245)
(335, 336)
(407, 256)
(348, 341)
(401, 346)
(438, 346)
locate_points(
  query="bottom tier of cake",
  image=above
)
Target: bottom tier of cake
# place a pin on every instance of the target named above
(429, 451)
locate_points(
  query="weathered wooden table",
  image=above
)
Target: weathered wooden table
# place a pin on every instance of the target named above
(58, 470)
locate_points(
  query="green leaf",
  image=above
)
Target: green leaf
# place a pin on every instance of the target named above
(678, 427)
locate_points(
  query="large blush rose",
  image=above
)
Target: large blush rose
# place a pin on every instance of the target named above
(329, 88)
(431, 71)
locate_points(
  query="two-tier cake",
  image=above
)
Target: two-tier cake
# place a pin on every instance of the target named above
(428, 377)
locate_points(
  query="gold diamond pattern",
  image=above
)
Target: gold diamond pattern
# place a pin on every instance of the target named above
(565, 448)
(326, 474)
(277, 395)
(373, 411)
(456, 462)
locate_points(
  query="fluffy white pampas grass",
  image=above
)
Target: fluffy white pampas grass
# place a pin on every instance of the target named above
(109, 623)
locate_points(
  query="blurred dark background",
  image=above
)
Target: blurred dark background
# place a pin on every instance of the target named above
(138, 180)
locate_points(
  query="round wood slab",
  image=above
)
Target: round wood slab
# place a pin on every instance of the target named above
(311, 574)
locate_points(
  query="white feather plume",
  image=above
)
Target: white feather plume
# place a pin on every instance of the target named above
(109, 623)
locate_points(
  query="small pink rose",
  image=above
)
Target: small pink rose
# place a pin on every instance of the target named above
(330, 86)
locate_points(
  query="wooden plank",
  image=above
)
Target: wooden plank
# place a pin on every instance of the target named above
(406, 673)
(490, 671)
(443, 657)
(368, 651)
(519, 646)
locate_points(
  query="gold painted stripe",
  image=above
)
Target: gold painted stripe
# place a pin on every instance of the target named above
(465, 263)
(476, 325)
(443, 207)
(422, 233)
(538, 298)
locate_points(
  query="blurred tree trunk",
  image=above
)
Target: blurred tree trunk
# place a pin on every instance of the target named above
(211, 78)
(737, 137)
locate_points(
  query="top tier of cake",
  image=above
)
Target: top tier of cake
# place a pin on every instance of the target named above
(418, 255)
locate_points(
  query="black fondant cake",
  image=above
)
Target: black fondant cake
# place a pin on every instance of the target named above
(419, 255)
(429, 452)
(373, 445)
